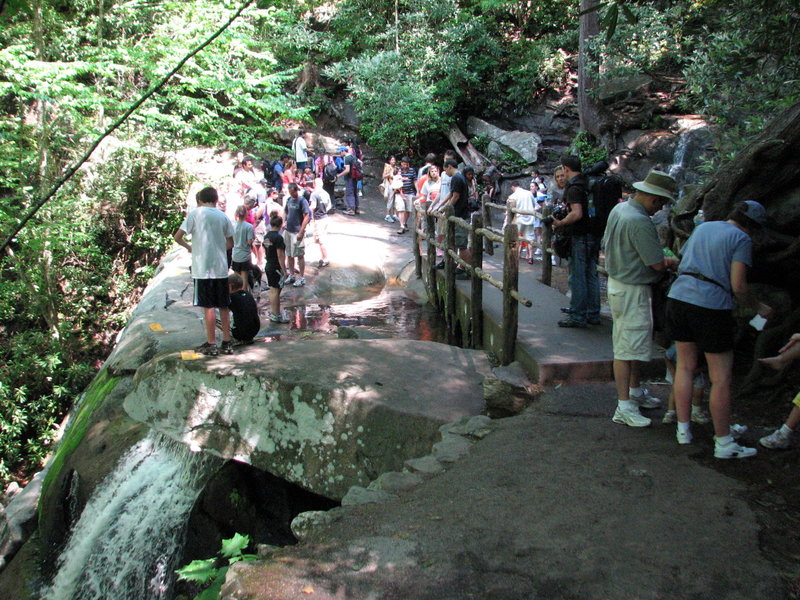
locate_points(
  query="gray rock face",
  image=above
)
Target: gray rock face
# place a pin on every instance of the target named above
(361, 412)
(524, 143)
(18, 519)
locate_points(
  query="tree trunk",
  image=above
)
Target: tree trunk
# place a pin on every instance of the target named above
(468, 152)
(588, 105)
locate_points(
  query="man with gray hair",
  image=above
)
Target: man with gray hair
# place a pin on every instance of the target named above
(634, 260)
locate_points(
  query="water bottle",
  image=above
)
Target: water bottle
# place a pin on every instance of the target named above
(698, 218)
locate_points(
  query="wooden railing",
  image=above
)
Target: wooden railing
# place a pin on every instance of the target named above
(480, 238)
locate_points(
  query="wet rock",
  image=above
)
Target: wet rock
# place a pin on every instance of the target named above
(361, 495)
(18, 519)
(451, 448)
(303, 523)
(523, 143)
(359, 413)
(394, 482)
(426, 465)
(477, 427)
(503, 398)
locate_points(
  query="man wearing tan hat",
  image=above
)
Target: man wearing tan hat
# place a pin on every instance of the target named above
(634, 259)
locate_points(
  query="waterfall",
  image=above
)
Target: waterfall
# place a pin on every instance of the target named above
(679, 157)
(127, 539)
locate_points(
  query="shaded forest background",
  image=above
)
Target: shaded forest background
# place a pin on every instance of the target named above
(411, 68)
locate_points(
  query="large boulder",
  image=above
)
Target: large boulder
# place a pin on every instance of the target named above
(325, 415)
(523, 143)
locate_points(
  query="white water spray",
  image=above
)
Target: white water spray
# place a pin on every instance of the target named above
(125, 544)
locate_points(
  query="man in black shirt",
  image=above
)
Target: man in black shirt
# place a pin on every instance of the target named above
(459, 199)
(584, 308)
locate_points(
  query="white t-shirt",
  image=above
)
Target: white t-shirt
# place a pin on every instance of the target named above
(430, 190)
(523, 200)
(209, 228)
(300, 150)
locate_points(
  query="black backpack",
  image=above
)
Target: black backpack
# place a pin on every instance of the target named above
(605, 192)
(268, 167)
(329, 172)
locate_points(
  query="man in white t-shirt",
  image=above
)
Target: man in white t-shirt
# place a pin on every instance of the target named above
(301, 151)
(212, 237)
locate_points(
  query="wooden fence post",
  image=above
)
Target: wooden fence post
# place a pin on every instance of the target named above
(476, 299)
(449, 273)
(433, 284)
(510, 282)
(486, 212)
(547, 242)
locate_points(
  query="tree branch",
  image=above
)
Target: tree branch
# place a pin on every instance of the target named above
(74, 168)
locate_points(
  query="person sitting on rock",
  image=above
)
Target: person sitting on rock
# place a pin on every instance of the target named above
(781, 438)
(244, 311)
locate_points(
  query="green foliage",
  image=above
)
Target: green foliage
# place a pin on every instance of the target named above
(211, 572)
(584, 147)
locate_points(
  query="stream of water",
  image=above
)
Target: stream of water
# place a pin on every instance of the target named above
(127, 539)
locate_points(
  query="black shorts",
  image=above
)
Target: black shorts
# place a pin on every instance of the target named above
(711, 330)
(273, 276)
(212, 293)
(238, 267)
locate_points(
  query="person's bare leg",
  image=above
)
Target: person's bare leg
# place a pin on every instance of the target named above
(671, 369)
(210, 319)
(245, 280)
(275, 300)
(720, 366)
(684, 375)
(634, 379)
(622, 374)
(225, 317)
(301, 265)
(794, 418)
(290, 266)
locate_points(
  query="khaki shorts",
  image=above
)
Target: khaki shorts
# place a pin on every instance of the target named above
(403, 202)
(633, 323)
(319, 228)
(295, 246)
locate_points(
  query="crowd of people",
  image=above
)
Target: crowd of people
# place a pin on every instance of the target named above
(274, 208)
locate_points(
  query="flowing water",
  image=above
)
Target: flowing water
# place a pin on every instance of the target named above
(127, 539)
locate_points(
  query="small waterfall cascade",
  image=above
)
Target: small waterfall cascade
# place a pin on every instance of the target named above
(678, 166)
(127, 539)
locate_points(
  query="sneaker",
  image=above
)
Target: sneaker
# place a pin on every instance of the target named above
(737, 430)
(388, 219)
(278, 319)
(646, 400)
(394, 219)
(733, 450)
(402, 230)
(537, 252)
(299, 282)
(631, 418)
(323, 263)
(701, 417)
(669, 417)
(439, 265)
(349, 213)
(208, 349)
(227, 348)
(572, 323)
(777, 440)
(683, 437)
(566, 310)
(289, 279)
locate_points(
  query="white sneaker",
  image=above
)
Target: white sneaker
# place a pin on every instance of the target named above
(683, 438)
(632, 418)
(733, 450)
(669, 417)
(646, 400)
(737, 431)
(299, 282)
(701, 417)
(289, 279)
(388, 219)
(777, 440)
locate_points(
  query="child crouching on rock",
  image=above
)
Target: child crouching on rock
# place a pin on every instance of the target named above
(244, 310)
(276, 266)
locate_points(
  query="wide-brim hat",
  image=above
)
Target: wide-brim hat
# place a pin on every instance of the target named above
(658, 183)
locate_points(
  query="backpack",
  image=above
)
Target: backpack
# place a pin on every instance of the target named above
(355, 170)
(605, 192)
(329, 172)
(268, 167)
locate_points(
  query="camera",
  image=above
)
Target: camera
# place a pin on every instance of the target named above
(559, 212)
